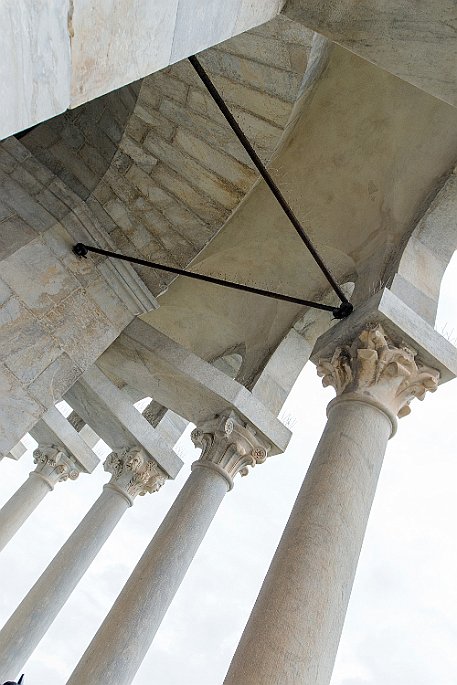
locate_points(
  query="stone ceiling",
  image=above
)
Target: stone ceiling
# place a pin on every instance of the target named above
(357, 152)
(157, 163)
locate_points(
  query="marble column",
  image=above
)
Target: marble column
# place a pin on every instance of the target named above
(294, 629)
(53, 465)
(120, 645)
(133, 473)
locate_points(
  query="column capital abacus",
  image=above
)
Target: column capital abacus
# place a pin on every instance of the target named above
(54, 465)
(229, 446)
(376, 370)
(133, 472)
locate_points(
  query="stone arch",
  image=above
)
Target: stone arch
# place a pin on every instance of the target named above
(427, 253)
(80, 145)
(231, 361)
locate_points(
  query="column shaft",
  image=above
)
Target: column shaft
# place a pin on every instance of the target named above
(294, 629)
(29, 623)
(19, 507)
(123, 639)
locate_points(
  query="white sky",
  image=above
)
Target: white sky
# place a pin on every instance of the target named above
(401, 624)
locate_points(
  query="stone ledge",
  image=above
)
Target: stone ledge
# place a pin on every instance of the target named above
(183, 382)
(402, 324)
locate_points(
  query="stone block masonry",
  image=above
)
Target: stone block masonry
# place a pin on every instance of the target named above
(157, 163)
(57, 313)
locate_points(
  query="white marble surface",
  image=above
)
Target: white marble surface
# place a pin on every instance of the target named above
(199, 24)
(34, 62)
(157, 365)
(255, 12)
(60, 53)
(204, 23)
(116, 41)
(109, 411)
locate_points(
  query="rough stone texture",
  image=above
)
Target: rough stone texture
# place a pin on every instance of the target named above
(155, 168)
(168, 172)
(57, 313)
(79, 145)
(359, 163)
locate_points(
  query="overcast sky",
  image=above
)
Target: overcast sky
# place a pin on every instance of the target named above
(401, 624)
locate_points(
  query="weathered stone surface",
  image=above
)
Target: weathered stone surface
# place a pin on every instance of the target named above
(414, 41)
(173, 29)
(49, 387)
(336, 79)
(166, 136)
(27, 347)
(34, 63)
(24, 205)
(76, 318)
(176, 378)
(53, 428)
(51, 282)
(269, 79)
(57, 312)
(195, 173)
(223, 165)
(5, 292)
(15, 402)
(14, 232)
(229, 447)
(422, 265)
(402, 325)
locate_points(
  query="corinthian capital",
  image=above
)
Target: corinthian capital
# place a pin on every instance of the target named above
(229, 446)
(54, 465)
(375, 369)
(133, 472)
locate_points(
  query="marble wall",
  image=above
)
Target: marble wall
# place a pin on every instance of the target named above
(58, 313)
(58, 54)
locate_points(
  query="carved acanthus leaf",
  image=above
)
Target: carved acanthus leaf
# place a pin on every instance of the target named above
(54, 465)
(134, 472)
(230, 444)
(373, 366)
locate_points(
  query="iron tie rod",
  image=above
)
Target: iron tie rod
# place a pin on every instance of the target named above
(340, 312)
